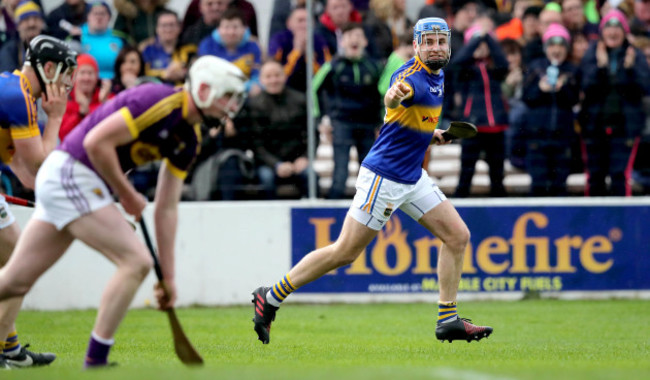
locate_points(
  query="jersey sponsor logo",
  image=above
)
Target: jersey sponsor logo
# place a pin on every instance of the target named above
(438, 90)
(430, 119)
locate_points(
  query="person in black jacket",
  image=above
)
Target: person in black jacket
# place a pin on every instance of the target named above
(551, 89)
(347, 90)
(279, 120)
(67, 19)
(482, 66)
(615, 79)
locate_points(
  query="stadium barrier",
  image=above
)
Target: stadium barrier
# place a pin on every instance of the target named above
(566, 248)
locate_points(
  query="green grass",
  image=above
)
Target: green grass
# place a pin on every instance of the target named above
(540, 339)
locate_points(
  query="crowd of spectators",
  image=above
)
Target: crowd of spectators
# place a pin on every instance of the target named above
(554, 87)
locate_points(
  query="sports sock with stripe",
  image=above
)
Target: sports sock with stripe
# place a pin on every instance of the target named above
(11, 346)
(447, 312)
(280, 291)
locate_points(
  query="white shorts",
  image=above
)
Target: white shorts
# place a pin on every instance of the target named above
(6, 216)
(377, 197)
(66, 189)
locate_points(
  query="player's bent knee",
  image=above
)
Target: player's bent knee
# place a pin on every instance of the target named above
(144, 266)
(458, 241)
(138, 266)
(15, 289)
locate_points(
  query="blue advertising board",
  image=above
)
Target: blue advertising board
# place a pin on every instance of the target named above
(550, 248)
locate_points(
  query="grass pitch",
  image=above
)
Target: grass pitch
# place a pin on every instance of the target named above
(539, 339)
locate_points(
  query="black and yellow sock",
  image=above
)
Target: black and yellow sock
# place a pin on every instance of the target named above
(280, 291)
(447, 312)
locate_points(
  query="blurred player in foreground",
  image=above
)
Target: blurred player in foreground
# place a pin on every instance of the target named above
(391, 177)
(48, 71)
(73, 200)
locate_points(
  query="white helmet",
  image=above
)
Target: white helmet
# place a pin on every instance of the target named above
(223, 78)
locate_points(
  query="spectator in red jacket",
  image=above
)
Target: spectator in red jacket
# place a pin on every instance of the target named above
(86, 95)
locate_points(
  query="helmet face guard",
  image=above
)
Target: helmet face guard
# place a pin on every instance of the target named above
(432, 25)
(43, 49)
(224, 80)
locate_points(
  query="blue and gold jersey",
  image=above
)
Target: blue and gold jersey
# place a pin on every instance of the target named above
(18, 113)
(408, 129)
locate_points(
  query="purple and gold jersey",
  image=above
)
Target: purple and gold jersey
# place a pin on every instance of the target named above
(18, 113)
(155, 115)
(408, 129)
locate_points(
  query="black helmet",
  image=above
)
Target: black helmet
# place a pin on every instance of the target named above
(44, 49)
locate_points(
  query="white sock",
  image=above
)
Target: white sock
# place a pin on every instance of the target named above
(270, 299)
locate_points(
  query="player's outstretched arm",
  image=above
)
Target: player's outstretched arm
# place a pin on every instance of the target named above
(168, 194)
(397, 93)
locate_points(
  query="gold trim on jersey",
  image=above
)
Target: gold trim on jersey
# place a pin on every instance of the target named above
(159, 110)
(176, 172)
(128, 118)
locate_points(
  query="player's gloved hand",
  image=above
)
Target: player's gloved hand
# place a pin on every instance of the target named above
(54, 98)
(166, 297)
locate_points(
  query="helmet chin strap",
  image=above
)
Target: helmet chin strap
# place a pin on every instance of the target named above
(211, 121)
(436, 64)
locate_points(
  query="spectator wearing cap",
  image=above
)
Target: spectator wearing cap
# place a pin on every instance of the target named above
(30, 23)
(86, 94)
(482, 69)
(615, 79)
(67, 19)
(551, 89)
(100, 41)
(534, 49)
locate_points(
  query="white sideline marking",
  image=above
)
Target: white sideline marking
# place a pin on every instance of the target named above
(461, 374)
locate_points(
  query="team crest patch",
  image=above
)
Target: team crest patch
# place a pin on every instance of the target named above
(97, 191)
(3, 213)
(388, 210)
